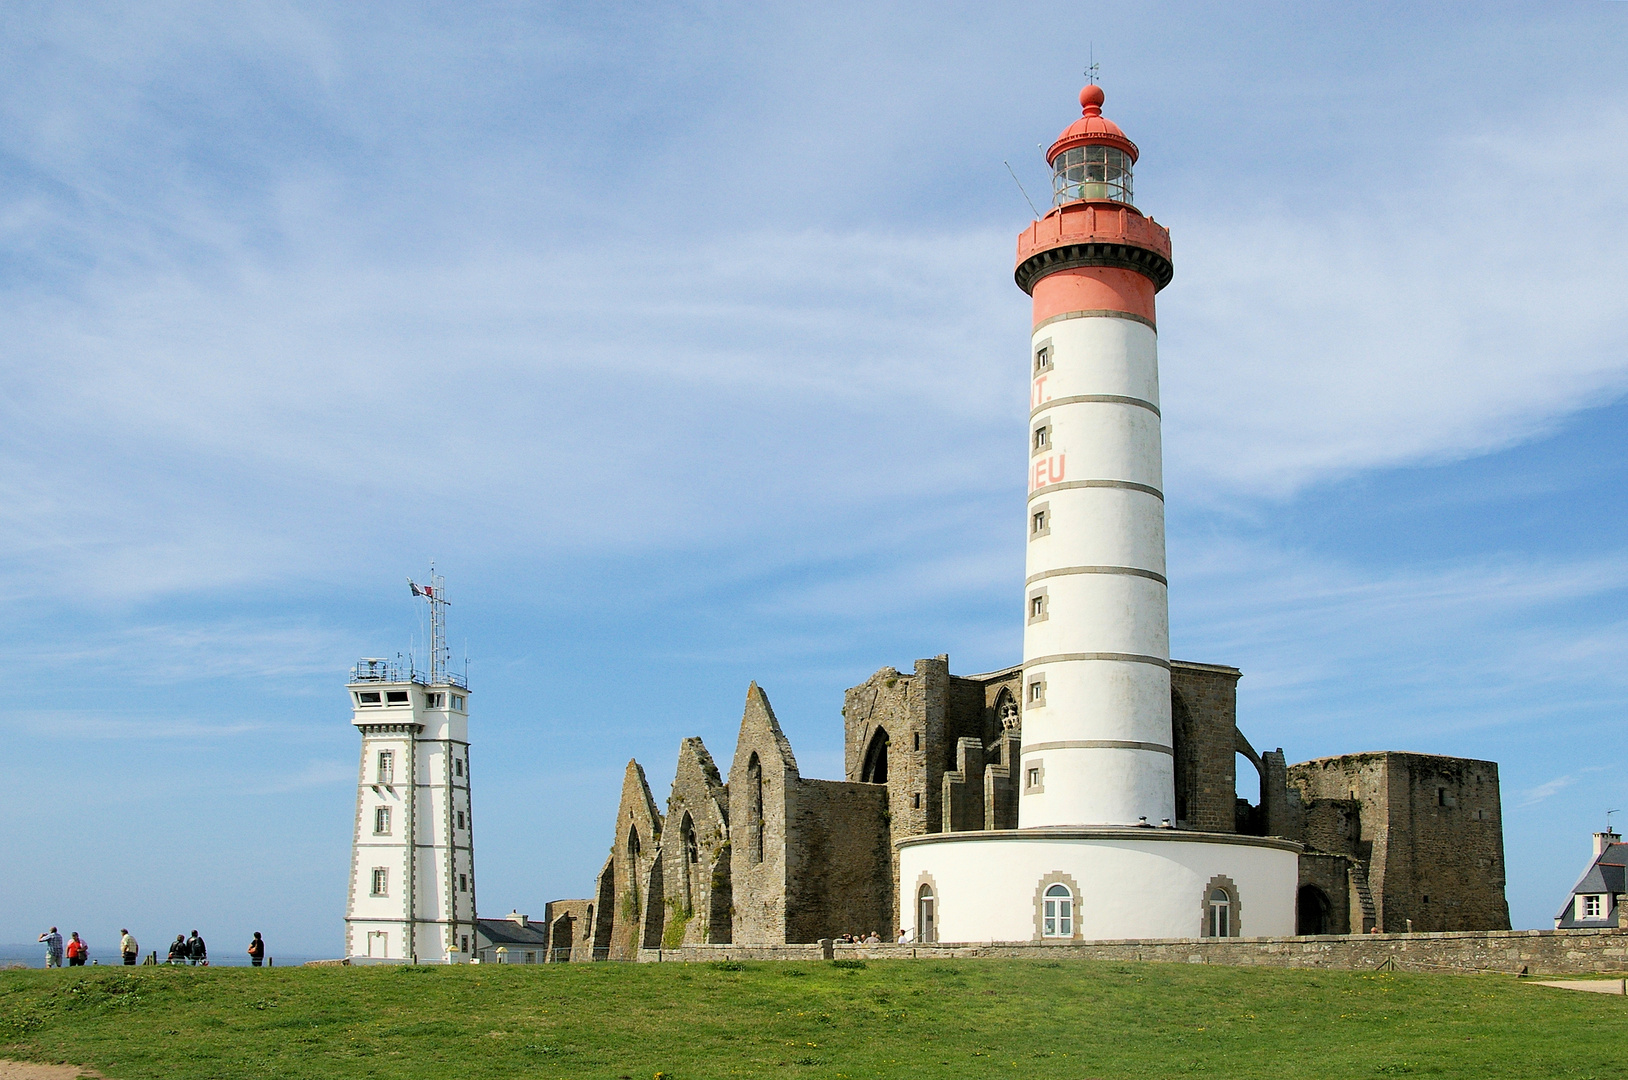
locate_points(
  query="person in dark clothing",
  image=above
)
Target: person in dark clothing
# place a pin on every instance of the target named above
(196, 950)
(179, 952)
(257, 950)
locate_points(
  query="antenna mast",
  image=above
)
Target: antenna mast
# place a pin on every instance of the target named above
(440, 652)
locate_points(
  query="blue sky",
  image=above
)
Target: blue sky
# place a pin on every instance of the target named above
(684, 339)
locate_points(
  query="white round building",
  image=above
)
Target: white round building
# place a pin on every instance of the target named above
(1095, 855)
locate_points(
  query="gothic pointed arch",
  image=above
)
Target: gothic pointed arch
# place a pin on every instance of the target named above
(875, 768)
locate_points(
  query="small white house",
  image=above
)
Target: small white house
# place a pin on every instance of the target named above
(1593, 900)
(514, 939)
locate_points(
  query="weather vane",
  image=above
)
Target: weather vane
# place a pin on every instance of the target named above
(1091, 71)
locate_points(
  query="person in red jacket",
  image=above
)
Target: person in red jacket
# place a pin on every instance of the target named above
(77, 951)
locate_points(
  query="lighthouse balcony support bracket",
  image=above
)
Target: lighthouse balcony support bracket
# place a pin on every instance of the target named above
(1154, 266)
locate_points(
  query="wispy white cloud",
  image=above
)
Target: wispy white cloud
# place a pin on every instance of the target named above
(1423, 313)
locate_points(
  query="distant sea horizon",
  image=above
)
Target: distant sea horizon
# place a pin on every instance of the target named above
(31, 954)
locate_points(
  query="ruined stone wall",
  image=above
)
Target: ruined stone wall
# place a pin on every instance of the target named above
(695, 850)
(839, 856)
(758, 815)
(1535, 952)
(567, 921)
(636, 868)
(1431, 833)
(1330, 876)
(1204, 714)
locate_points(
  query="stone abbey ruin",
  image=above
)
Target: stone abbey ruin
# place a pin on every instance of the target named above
(766, 856)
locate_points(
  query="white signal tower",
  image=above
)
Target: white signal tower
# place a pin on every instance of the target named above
(412, 881)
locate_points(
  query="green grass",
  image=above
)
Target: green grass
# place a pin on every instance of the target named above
(901, 1019)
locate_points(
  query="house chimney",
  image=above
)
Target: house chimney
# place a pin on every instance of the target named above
(1603, 840)
(517, 918)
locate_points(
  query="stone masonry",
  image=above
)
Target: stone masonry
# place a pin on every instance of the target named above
(1393, 841)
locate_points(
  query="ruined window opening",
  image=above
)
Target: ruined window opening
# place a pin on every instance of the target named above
(692, 856)
(754, 810)
(915, 801)
(1057, 917)
(1313, 911)
(1220, 913)
(875, 769)
(918, 740)
(1006, 710)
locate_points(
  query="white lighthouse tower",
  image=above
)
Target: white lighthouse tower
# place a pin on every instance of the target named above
(1095, 855)
(412, 880)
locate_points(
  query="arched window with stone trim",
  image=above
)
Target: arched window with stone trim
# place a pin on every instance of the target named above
(1221, 909)
(754, 810)
(926, 913)
(1057, 908)
(1057, 914)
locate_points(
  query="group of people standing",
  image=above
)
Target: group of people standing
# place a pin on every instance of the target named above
(184, 950)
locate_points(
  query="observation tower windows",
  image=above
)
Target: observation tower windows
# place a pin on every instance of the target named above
(434, 701)
(368, 699)
(458, 702)
(395, 697)
(1095, 173)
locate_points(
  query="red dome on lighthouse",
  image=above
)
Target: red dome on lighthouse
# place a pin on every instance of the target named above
(1092, 128)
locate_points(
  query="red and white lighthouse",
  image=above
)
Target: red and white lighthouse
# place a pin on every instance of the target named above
(1096, 641)
(1096, 854)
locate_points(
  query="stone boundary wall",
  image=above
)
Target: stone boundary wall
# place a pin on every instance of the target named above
(1536, 952)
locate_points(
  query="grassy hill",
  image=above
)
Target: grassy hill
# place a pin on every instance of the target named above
(974, 1018)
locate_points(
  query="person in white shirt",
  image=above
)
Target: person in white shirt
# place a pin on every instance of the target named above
(128, 948)
(904, 936)
(53, 947)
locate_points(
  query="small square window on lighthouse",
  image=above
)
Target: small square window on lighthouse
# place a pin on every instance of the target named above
(1042, 438)
(1039, 608)
(1039, 520)
(1042, 357)
(1037, 692)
